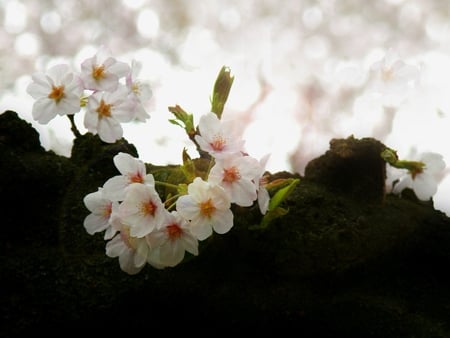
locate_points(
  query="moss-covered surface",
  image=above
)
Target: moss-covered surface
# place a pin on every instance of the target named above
(346, 261)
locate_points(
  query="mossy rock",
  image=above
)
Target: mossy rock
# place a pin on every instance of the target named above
(347, 260)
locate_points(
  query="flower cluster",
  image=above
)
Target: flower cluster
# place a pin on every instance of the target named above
(142, 228)
(108, 89)
(141, 224)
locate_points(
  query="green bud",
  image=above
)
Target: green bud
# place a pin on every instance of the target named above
(221, 90)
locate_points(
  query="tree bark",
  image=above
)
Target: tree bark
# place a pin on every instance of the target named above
(347, 260)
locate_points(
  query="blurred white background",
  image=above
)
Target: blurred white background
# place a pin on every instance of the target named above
(302, 70)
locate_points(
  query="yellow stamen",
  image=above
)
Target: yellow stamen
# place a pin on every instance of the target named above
(98, 72)
(207, 208)
(57, 93)
(104, 110)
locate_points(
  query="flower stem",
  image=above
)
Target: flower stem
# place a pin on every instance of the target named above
(167, 185)
(73, 128)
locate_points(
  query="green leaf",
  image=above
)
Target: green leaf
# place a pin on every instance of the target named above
(275, 210)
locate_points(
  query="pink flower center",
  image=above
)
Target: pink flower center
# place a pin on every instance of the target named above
(207, 208)
(218, 143)
(174, 231)
(231, 175)
(148, 208)
(136, 178)
(57, 93)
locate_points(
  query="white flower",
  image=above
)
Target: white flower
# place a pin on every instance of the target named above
(57, 93)
(217, 137)
(393, 79)
(140, 92)
(142, 209)
(102, 214)
(423, 182)
(207, 206)
(105, 112)
(171, 241)
(102, 71)
(133, 252)
(132, 170)
(263, 194)
(236, 175)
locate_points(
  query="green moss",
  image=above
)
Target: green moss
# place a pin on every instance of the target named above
(347, 260)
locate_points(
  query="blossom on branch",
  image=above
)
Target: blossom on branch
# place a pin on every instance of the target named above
(207, 207)
(236, 175)
(105, 112)
(132, 251)
(218, 137)
(132, 170)
(424, 177)
(56, 92)
(102, 72)
(142, 210)
(171, 241)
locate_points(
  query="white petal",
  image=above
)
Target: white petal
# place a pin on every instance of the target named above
(223, 222)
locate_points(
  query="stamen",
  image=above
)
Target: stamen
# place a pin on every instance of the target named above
(174, 231)
(57, 93)
(136, 178)
(148, 208)
(98, 72)
(104, 110)
(231, 175)
(207, 208)
(218, 143)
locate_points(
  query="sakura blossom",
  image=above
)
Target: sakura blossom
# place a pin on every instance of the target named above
(218, 137)
(424, 178)
(102, 214)
(171, 241)
(142, 210)
(236, 175)
(132, 170)
(207, 207)
(106, 111)
(260, 180)
(132, 251)
(56, 92)
(139, 91)
(102, 71)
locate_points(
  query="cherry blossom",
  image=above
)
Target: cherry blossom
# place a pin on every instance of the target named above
(423, 179)
(133, 252)
(105, 112)
(171, 241)
(56, 92)
(102, 71)
(218, 137)
(142, 209)
(207, 207)
(102, 214)
(139, 91)
(132, 170)
(236, 175)
(393, 79)
(260, 180)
